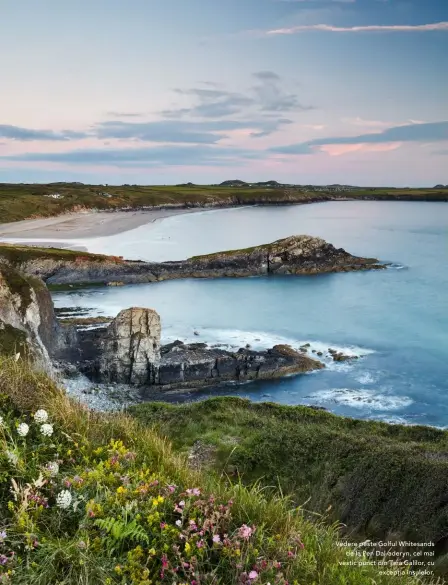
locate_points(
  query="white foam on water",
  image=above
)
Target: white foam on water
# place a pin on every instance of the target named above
(259, 340)
(366, 378)
(361, 398)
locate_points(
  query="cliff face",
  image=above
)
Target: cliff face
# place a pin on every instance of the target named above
(293, 255)
(129, 351)
(28, 325)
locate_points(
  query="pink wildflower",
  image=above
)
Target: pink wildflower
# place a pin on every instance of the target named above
(216, 538)
(245, 532)
(171, 489)
(194, 492)
(200, 544)
(253, 575)
(163, 525)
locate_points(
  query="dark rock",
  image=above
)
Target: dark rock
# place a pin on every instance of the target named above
(293, 255)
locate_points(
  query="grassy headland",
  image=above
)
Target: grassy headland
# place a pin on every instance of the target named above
(382, 481)
(90, 499)
(25, 201)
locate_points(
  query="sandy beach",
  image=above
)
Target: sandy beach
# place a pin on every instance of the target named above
(83, 225)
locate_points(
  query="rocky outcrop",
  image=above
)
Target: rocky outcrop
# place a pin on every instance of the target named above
(293, 255)
(128, 351)
(28, 325)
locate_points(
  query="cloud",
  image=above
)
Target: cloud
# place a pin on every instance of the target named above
(267, 76)
(268, 95)
(186, 131)
(202, 155)
(341, 149)
(426, 132)
(213, 103)
(126, 114)
(437, 26)
(30, 134)
(271, 97)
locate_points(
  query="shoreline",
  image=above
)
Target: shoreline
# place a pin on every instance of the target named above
(83, 225)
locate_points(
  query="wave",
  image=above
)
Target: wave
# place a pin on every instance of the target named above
(361, 398)
(259, 340)
(366, 378)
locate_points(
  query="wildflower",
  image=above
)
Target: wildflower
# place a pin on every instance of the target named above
(46, 429)
(82, 544)
(3, 559)
(178, 522)
(253, 575)
(2, 536)
(121, 490)
(23, 429)
(52, 468)
(172, 489)
(163, 525)
(181, 504)
(12, 457)
(64, 499)
(78, 479)
(200, 544)
(1, 420)
(216, 538)
(194, 492)
(41, 416)
(245, 532)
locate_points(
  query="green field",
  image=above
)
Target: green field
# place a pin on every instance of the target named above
(22, 201)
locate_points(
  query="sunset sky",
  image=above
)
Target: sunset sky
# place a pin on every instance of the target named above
(169, 91)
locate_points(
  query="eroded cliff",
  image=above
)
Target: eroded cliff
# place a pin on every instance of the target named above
(293, 255)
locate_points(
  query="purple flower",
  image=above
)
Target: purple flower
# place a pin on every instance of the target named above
(2, 535)
(194, 492)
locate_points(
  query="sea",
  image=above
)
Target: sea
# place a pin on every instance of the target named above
(395, 319)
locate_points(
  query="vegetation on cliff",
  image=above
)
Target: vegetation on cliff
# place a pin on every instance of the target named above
(24, 201)
(380, 480)
(102, 499)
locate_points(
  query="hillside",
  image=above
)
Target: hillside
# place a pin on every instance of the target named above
(24, 201)
(383, 481)
(101, 499)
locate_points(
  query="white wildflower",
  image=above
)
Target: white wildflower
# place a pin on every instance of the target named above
(41, 416)
(12, 457)
(52, 468)
(46, 430)
(1, 421)
(64, 499)
(23, 429)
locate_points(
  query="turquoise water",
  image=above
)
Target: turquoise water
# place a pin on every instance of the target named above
(397, 319)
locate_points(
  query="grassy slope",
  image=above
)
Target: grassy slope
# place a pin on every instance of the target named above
(16, 254)
(380, 479)
(26, 201)
(57, 555)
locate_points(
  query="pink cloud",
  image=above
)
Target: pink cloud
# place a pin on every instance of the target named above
(341, 149)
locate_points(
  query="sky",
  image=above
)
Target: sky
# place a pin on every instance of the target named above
(173, 91)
